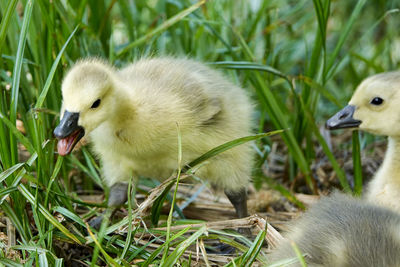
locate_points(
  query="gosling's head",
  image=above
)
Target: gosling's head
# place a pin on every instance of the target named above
(374, 107)
(87, 92)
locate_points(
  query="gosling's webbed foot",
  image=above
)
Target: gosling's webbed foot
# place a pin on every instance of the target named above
(96, 221)
(222, 249)
(116, 198)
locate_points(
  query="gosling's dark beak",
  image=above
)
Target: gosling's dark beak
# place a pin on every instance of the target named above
(67, 126)
(68, 133)
(343, 119)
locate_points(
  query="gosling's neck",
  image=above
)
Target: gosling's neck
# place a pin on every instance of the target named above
(390, 168)
(384, 188)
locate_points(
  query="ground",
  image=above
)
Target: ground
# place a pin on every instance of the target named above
(202, 203)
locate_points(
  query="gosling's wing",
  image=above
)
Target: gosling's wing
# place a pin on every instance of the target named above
(195, 89)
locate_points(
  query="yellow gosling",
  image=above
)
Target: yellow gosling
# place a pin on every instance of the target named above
(129, 116)
(375, 108)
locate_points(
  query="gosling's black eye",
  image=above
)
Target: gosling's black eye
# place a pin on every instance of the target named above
(96, 103)
(376, 101)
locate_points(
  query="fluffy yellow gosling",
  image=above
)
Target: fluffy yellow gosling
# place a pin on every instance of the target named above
(129, 115)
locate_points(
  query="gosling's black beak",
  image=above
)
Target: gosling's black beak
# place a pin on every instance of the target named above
(68, 125)
(343, 119)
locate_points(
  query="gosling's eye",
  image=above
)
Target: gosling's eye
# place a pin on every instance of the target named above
(96, 103)
(376, 101)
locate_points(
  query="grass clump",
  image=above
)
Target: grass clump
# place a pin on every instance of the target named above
(301, 61)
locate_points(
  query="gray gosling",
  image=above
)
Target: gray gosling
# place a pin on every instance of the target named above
(375, 108)
(130, 116)
(341, 231)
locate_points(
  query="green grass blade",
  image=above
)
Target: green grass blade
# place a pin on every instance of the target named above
(17, 74)
(177, 253)
(278, 118)
(70, 215)
(153, 255)
(50, 77)
(339, 171)
(14, 131)
(59, 263)
(130, 232)
(228, 145)
(335, 165)
(15, 219)
(5, 21)
(57, 168)
(20, 174)
(299, 255)
(43, 260)
(321, 90)
(171, 211)
(322, 12)
(105, 254)
(344, 33)
(10, 263)
(24, 191)
(10, 171)
(158, 204)
(168, 23)
(250, 256)
(7, 190)
(246, 65)
(292, 78)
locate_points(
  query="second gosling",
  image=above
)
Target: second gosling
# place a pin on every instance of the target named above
(341, 231)
(375, 108)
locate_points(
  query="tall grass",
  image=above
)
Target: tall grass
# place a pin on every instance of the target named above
(301, 61)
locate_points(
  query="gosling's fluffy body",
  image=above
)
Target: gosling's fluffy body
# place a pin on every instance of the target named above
(341, 231)
(134, 130)
(382, 119)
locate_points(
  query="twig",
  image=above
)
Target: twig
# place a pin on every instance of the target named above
(148, 202)
(247, 222)
(273, 237)
(204, 253)
(10, 233)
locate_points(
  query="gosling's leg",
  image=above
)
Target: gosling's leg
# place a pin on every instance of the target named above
(118, 195)
(239, 201)
(116, 198)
